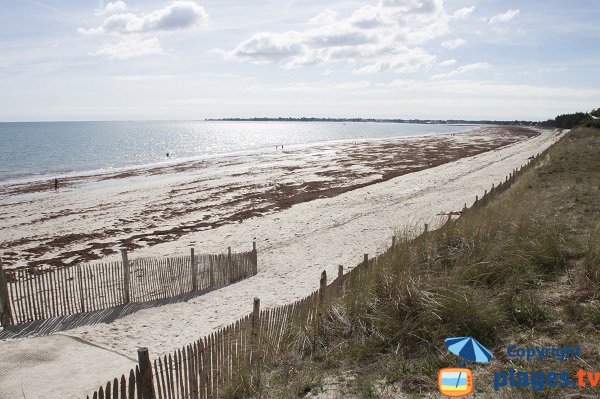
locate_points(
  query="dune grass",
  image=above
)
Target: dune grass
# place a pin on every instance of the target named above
(524, 268)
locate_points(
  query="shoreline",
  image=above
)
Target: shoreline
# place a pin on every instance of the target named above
(91, 217)
(36, 177)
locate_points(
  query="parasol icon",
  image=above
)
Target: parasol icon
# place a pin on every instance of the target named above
(469, 349)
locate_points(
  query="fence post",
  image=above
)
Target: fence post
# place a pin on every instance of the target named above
(146, 383)
(393, 241)
(366, 259)
(255, 321)
(340, 278)
(194, 270)
(255, 258)
(322, 286)
(80, 282)
(211, 271)
(6, 317)
(256, 357)
(426, 228)
(232, 276)
(126, 298)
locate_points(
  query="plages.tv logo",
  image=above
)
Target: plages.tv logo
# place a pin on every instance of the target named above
(458, 382)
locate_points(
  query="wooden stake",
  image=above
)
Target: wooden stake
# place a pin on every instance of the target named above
(146, 383)
(194, 270)
(125, 276)
(255, 321)
(232, 276)
(80, 281)
(340, 278)
(323, 282)
(6, 317)
(255, 270)
(255, 344)
(322, 287)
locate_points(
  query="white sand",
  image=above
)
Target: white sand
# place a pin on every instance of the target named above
(294, 246)
(56, 367)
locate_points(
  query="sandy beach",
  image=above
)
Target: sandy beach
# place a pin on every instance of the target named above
(90, 217)
(309, 209)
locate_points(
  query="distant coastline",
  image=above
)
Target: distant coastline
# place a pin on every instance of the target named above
(379, 120)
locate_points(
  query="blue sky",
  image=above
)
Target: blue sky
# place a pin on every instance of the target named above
(155, 59)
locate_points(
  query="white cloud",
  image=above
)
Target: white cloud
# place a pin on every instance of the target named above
(503, 17)
(112, 8)
(264, 47)
(137, 33)
(448, 62)
(452, 44)
(463, 13)
(406, 60)
(325, 17)
(367, 17)
(478, 66)
(130, 47)
(176, 16)
(386, 36)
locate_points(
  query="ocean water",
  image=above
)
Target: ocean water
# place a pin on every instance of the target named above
(48, 149)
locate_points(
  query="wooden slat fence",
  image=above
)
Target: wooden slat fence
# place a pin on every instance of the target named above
(202, 369)
(38, 293)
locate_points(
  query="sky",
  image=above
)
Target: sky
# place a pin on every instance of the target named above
(428, 59)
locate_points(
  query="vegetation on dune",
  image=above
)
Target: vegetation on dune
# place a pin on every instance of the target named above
(524, 268)
(569, 121)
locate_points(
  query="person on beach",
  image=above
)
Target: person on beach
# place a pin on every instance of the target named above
(55, 184)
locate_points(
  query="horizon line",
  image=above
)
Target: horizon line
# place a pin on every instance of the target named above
(276, 118)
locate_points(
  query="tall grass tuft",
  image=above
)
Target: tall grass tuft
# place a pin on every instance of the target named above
(591, 260)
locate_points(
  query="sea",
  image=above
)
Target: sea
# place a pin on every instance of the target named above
(35, 150)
